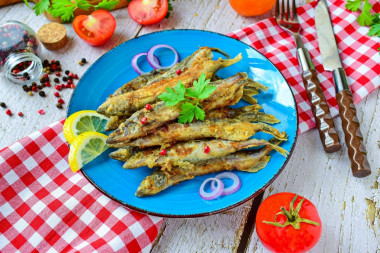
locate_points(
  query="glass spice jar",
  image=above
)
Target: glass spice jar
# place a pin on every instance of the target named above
(19, 49)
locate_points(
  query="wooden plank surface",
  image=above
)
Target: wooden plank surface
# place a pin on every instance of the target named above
(349, 207)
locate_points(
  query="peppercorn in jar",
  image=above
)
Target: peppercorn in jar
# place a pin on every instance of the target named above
(19, 49)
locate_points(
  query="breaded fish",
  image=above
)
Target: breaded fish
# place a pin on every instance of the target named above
(123, 154)
(226, 129)
(139, 82)
(227, 92)
(161, 179)
(135, 100)
(187, 153)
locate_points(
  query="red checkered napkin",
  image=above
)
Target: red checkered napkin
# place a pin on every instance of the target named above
(358, 52)
(44, 206)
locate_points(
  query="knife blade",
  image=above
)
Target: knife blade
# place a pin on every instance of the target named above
(347, 111)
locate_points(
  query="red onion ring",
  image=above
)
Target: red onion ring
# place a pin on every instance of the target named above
(216, 192)
(157, 65)
(136, 67)
(229, 175)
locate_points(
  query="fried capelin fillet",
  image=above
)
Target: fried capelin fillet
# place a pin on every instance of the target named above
(227, 92)
(249, 113)
(139, 82)
(132, 101)
(188, 153)
(162, 178)
(226, 129)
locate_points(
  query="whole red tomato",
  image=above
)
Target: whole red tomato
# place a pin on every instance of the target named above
(148, 12)
(286, 222)
(97, 28)
(252, 7)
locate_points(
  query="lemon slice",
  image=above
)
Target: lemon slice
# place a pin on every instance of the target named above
(85, 148)
(83, 121)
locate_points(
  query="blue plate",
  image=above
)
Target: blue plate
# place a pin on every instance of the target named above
(114, 69)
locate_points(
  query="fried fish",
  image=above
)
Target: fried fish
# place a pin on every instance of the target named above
(188, 153)
(227, 92)
(161, 178)
(226, 129)
(132, 101)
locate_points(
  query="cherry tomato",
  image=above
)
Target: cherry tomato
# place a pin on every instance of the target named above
(97, 28)
(290, 230)
(148, 12)
(252, 7)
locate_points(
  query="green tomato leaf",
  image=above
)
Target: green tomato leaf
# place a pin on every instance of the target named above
(187, 113)
(41, 6)
(366, 17)
(353, 5)
(199, 113)
(107, 4)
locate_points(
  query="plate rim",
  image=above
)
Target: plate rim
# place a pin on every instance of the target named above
(201, 214)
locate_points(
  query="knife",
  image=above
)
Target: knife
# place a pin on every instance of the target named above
(347, 111)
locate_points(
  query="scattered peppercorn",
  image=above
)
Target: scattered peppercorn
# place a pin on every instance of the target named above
(25, 74)
(58, 73)
(47, 84)
(64, 79)
(27, 78)
(56, 80)
(67, 85)
(84, 60)
(72, 86)
(41, 111)
(34, 84)
(45, 76)
(148, 107)
(56, 94)
(40, 87)
(20, 114)
(8, 112)
(67, 72)
(34, 88)
(30, 93)
(2, 104)
(144, 120)
(42, 93)
(59, 106)
(163, 152)
(58, 87)
(61, 101)
(80, 63)
(207, 150)
(178, 72)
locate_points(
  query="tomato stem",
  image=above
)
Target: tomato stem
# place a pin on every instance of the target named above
(292, 216)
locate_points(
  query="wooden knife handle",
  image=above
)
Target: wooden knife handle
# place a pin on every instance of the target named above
(354, 139)
(321, 112)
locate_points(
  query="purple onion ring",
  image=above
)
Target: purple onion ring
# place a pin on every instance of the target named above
(136, 67)
(151, 56)
(228, 175)
(214, 193)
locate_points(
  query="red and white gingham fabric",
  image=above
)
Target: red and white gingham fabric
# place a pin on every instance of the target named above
(45, 207)
(358, 52)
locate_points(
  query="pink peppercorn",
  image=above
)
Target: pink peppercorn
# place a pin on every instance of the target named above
(163, 152)
(56, 94)
(73, 86)
(8, 112)
(45, 76)
(58, 87)
(207, 150)
(61, 101)
(47, 84)
(144, 120)
(34, 88)
(67, 85)
(148, 107)
(20, 114)
(58, 73)
(178, 72)
(41, 111)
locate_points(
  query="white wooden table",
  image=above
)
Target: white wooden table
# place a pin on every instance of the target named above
(349, 207)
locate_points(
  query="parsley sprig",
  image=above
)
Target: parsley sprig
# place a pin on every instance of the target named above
(189, 98)
(366, 18)
(65, 8)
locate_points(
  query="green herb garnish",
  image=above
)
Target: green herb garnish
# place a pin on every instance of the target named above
(65, 8)
(366, 18)
(190, 98)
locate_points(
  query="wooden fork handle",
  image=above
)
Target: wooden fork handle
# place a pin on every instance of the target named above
(320, 109)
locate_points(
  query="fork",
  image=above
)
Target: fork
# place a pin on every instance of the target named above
(287, 19)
